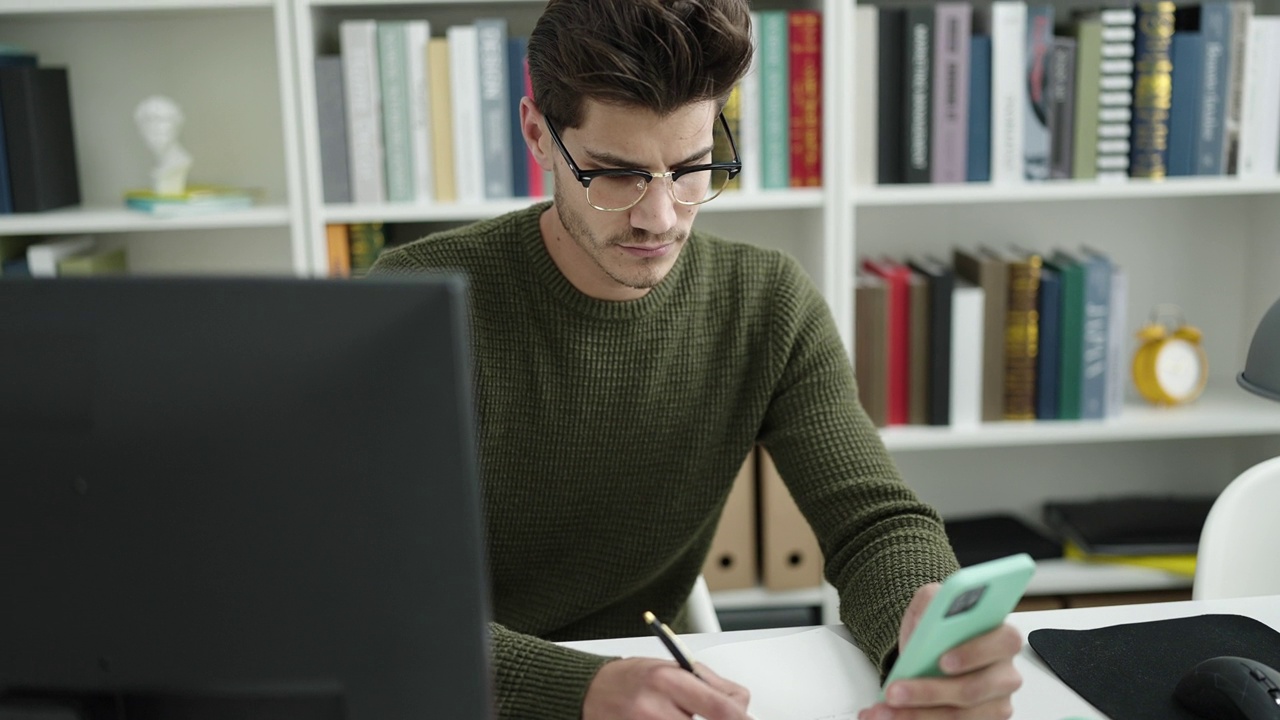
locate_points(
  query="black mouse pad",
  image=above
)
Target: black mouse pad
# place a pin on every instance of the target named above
(1129, 671)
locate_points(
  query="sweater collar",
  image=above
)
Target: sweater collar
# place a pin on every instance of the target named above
(550, 277)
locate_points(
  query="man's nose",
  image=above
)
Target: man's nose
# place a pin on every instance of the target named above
(656, 212)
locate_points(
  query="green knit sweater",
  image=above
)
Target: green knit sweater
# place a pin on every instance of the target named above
(610, 434)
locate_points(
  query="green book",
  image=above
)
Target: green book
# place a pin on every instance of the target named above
(393, 68)
(1071, 363)
(775, 100)
(1088, 78)
(101, 262)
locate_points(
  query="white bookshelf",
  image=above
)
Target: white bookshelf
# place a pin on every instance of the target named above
(1060, 190)
(228, 65)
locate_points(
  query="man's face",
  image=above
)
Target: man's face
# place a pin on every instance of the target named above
(621, 255)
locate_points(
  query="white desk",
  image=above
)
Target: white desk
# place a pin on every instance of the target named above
(1043, 696)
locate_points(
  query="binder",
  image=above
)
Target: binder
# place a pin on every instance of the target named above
(732, 560)
(790, 556)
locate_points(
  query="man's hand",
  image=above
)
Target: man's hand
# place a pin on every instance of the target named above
(979, 682)
(644, 689)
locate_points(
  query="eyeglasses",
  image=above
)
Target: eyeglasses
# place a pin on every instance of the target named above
(618, 189)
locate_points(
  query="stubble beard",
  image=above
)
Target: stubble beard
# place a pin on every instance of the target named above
(645, 273)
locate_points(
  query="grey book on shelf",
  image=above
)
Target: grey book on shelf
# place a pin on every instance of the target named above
(331, 114)
(491, 34)
(39, 138)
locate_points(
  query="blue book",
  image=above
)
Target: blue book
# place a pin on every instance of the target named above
(1184, 113)
(1215, 73)
(1097, 310)
(517, 48)
(979, 160)
(1049, 306)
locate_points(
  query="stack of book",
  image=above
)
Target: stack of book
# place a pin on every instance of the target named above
(196, 200)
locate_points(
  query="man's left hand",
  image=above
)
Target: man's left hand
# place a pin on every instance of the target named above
(979, 682)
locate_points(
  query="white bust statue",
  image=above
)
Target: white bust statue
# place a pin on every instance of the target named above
(159, 120)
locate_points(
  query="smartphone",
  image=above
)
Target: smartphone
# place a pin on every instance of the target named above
(972, 601)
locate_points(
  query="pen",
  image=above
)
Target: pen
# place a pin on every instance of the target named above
(672, 642)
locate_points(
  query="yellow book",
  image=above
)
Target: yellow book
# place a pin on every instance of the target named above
(441, 119)
(338, 239)
(1179, 564)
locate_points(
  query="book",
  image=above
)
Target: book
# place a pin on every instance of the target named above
(1215, 66)
(94, 262)
(1062, 93)
(1259, 147)
(367, 242)
(417, 34)
(13, 256)
(468, 137)
(441, 120)
(196, 200)
(1115, 93)
(1070, 270)
(775, 100)
(871, 345)
(918, 361)
(979, 538)
(978, 153)
(1237, 49)
(1048, 339)
(950, 131)
(1084, 143)
(495, 108)
(331, 117)
(918, 78)
(891, 94)
(39, 138)
(521, 157)
(1035, 97)
(362, 90)
(1021, 333)
(897, 277)
(748, 137)
(1187, 54)
(865, 106)
(1008, 78)
(43, 257)
(805, 69)
(990, 274)
(1118, 343)
(338, 244)
(1096, 336)
(393, 73)
(1152, 89)
(967, 337)
(941, 289)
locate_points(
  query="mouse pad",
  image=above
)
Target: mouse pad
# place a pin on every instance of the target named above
(1129, 671)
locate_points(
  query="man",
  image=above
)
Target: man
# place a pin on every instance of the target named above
(625, 365)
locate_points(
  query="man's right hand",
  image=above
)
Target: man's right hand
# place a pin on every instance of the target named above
(644, 689)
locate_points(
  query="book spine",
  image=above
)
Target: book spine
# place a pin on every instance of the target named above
(920, 353)
(393, 61)
(362, 89)
(978, 156)
(464, 78)
(520, 155)
(1117, 342)
(967, 332)
(941, 297)
(1187, 54)
(1062, 66)
(1260, 113)
(367, 241)
(1072, 344)
(1021, 339)
(992, 276)
(335, 173)
(1008, 60)
(950, 138)
(891, 97)
(338, 243)
(1241, 18)
(1084, 163)
(918, 46)
(1049, 306)
(775, 100)
(495, 138)
(1115, 94)
(1097, 305)
(871, 346)
(748, 136)
(1215, 33)
(441, 120)
(39, 138)
(1035, 95)
(865, 106)
(1152, 90)
(417, 33)
(805, 68)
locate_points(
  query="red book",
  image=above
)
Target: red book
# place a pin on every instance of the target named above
(898, 277)
(535, 171)
(805, 62)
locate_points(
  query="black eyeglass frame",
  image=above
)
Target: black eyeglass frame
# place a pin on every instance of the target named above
(586, 176)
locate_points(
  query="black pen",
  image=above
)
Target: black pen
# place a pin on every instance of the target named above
(672, 642)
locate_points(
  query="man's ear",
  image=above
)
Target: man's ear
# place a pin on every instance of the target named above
(534, 129)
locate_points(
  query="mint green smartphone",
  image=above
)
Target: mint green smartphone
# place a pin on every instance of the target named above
(972, 601)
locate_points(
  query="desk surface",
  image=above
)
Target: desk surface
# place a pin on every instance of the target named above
(1043, 696)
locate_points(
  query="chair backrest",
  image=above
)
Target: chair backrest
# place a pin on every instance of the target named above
(699, 610)
(1241, 529)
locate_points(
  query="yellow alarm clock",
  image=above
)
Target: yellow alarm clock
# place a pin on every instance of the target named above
(1170, 366)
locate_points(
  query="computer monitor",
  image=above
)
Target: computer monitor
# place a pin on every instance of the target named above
(240, 498)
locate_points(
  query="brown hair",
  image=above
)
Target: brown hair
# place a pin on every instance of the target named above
(659, 55)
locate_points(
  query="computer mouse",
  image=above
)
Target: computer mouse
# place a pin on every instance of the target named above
(1231, 688)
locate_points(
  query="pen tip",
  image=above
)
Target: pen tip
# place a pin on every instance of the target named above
(649, 617)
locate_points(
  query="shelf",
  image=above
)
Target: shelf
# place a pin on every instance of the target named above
(1226, 412)
(388, 3)
(110, 220)
(1052, 577)
(1055, 190)
(466, 212)
(46, 7)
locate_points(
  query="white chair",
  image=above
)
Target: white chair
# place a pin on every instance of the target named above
(699, 610)
(1242, 530)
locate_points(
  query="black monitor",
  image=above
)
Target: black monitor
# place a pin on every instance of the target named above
(239, 498)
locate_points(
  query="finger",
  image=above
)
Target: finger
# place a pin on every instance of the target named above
(970, 690)
(725, 685)
(696, 697)
(915, 610)
(996, 646)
